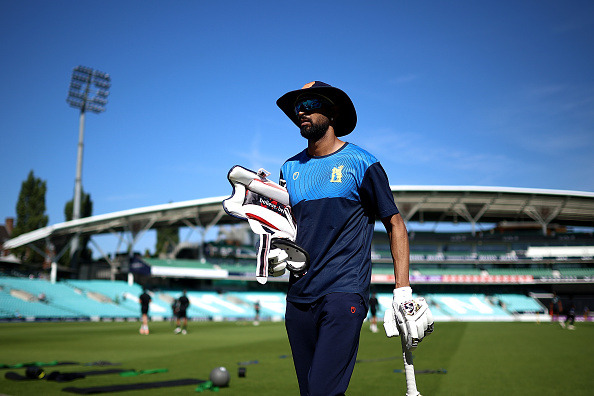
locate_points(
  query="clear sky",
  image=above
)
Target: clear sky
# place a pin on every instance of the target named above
(481, 93)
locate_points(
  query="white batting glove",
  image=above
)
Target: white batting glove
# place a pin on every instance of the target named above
(277, 262)
(409, 317)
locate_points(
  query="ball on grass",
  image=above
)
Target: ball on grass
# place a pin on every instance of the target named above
(220, 377)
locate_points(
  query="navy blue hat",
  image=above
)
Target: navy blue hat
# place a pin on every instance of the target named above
(347, 116)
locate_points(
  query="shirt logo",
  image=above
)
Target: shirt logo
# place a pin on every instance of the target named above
(295, 175)
(353, 309)
(337, 174)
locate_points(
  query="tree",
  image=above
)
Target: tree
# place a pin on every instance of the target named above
(30, 211)
(86, 207)
(86, 210)
(167, 239)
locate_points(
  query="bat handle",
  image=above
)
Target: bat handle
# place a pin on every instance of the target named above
(262, 259)
(409, 370)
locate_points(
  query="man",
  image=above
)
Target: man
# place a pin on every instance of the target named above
(145, 301)
(555, 306)
(569, 317)
(174, 310)
(257, 312)
(182, 314)
(336, 190)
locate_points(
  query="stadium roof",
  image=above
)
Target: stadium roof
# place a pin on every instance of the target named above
(417, 203)
(495, 205)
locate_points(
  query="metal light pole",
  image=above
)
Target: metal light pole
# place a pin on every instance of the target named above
(88, 91)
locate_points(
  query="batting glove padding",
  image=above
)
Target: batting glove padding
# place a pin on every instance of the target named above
(277, 262)
(410, 318)
(265, 205)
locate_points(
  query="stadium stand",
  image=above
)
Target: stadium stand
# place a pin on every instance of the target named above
(448, 271)
(519, 304)
(520, 271)
(16, 308)
(59, 300)
(213, 305)
(477, 307)
(272, 305)
(69, 300)
(527, 244)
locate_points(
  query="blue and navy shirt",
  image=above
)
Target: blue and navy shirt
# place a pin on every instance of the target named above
(336, 200)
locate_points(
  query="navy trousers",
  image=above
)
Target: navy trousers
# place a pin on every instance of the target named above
(324, 338)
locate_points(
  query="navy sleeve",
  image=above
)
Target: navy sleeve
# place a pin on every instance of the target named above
(376, 194)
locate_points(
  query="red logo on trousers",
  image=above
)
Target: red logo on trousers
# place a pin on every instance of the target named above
(353, 309)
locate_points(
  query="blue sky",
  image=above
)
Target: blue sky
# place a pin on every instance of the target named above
(482, 93)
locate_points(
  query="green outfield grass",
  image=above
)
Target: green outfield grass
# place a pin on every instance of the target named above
(508, 359)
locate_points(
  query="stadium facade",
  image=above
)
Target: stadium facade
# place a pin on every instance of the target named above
(517, 242)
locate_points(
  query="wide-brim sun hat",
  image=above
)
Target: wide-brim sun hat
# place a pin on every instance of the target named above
(346, 120)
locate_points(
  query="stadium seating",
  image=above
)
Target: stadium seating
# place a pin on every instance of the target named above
(272, 305)
(576, 271)
(517, 303)
(449, 271)
(119, 292)
(70, 300)
(15, 308)
(520, 271)
(61, 300)
(216, 306)
(468, 307)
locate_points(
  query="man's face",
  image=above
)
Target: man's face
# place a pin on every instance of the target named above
(314, 123)
(313, 126)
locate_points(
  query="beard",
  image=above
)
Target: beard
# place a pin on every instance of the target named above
(315, 131)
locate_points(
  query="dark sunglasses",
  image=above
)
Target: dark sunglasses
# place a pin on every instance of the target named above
(310, 104)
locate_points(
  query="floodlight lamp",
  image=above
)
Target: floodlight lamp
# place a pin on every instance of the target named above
(76, 95)
(101, 74)
(83, 69)
(78, 77)
(102, 84)
(89, 89)
(94, 108)
(99, 101)
(74, 103)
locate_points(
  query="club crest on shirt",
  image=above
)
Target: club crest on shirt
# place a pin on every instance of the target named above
(337, 174)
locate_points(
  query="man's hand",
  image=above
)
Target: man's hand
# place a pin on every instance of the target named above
(410, 318)
(277, 262)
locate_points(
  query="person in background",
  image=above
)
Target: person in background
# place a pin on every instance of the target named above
(174, 310)
(257, 311)
(570, 317)
(145, 301)
(182, 314)
(555, 307)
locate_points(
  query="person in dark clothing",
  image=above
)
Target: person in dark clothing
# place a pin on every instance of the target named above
(182, 314)
(145, 300)
(570, 317)
(337, 191)
(257, 311)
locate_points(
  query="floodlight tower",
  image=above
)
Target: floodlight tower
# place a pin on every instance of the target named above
(88, 91)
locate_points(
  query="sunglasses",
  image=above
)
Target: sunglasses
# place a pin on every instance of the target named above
(306, 105)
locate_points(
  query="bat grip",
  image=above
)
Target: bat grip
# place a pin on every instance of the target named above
(409, 370)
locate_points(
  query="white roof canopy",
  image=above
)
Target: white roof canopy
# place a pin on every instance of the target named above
(416, 203)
